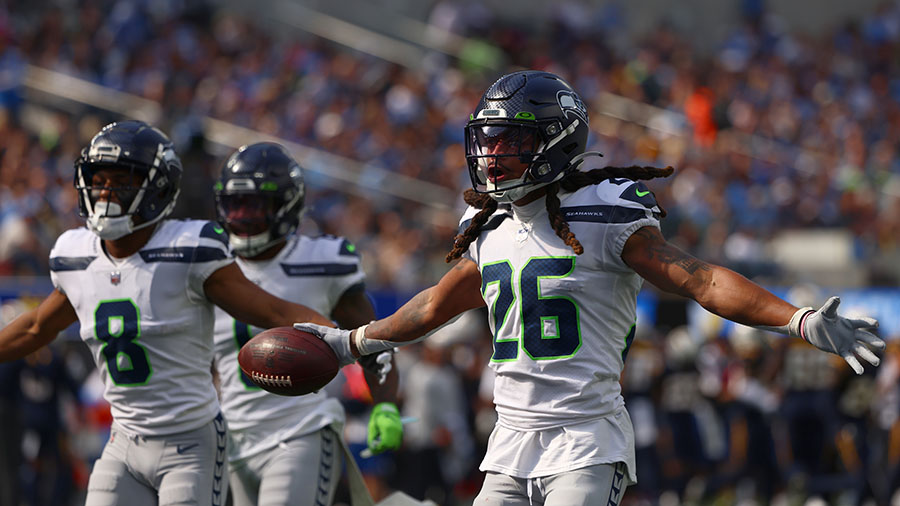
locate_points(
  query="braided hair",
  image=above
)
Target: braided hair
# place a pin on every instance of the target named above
(571, 182)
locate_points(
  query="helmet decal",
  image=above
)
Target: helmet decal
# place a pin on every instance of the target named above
(569, 102)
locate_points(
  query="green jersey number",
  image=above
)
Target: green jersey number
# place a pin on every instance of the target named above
(117, 323)
(242, 334)
(550, 324)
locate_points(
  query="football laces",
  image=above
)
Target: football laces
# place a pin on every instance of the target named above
(271, 380)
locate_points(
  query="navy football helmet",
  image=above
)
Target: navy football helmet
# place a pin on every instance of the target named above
(259, 197)
(539, 119)
(153, 171)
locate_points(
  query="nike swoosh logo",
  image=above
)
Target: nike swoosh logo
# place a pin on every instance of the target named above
(183, 448)
(639, 193)
(218, 230)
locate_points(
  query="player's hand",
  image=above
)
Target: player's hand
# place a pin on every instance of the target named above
(385, 428)
(338, 339)
(384, 361)
(847, 337)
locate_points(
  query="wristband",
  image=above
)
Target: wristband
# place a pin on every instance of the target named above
(794, 328)
(371, 346)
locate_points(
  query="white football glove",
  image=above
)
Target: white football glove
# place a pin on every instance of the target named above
(828, 331)
(384, 360)
(338, 339)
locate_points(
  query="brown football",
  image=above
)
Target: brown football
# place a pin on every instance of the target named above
(287, 361)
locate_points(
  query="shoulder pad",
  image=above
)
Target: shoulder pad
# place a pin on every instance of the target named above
(625, 192)
(324, 247)
(347, 248)
(493, 222)
(200, 234)
(75, 242)
(214, 231)
(74, 250)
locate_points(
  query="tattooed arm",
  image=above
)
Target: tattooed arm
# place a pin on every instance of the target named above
(719, 290)
(459, 290)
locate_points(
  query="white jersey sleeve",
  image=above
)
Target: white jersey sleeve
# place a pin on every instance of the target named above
(494, 221)
(623, 206)
(210, 254)
(147, 323)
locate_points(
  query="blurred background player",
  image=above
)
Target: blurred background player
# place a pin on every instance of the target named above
(43, 379)
(285, 450)
(143, 290)
(563, 435)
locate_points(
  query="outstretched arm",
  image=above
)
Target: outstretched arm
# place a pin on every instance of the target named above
(732, 296)
(458, 291)
(719, 290)
(229, 289)
(37, 327)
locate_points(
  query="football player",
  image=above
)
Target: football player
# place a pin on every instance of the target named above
(143, 289)
(558, 255)
(286, 450)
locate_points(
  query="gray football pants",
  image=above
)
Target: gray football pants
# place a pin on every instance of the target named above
(187, 468)
(303, 471)
(600, 485)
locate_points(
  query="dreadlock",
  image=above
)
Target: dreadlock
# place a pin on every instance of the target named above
(570, 183)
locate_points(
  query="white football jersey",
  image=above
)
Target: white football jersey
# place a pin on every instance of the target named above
(314, 272)
(147, 321)
(562, 325)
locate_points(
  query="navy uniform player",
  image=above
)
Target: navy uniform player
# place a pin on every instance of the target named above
(143, 290)
(286, 450)
(558, 255)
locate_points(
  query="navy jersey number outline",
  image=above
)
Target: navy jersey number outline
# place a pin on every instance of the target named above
(538, 312)
(123, 343)
(242, 334)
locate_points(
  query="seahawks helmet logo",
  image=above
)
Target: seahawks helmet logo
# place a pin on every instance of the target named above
(569, 102)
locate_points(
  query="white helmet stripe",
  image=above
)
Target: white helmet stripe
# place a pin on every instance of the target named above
(562, 135)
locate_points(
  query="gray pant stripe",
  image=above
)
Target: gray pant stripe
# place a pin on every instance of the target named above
(615, 489)
(219, 473)
(325, 463)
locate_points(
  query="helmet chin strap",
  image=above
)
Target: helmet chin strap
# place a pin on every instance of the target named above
(252, 245)
(109, 227)
(514, 194)
(578, 160)
(115, 227)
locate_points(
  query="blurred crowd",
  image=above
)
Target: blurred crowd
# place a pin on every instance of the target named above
(772, 130)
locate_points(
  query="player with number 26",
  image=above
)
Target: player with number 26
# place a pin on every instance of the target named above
(558, 254)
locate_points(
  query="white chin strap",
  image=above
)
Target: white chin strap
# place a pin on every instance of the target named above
(109, 227)
(252, 245)
(510, 196)
(117, 226)
(514, 194)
